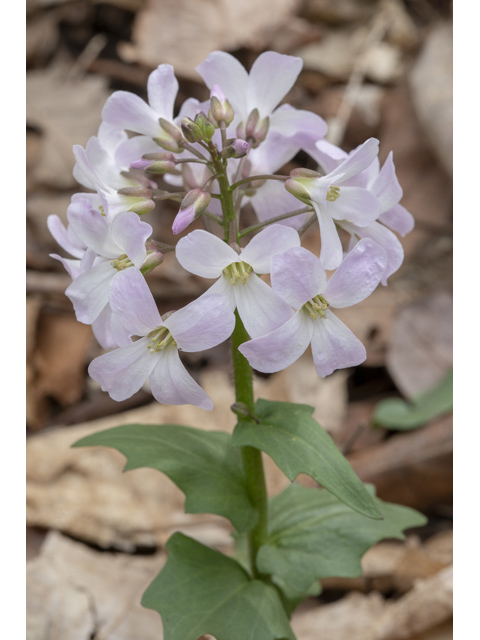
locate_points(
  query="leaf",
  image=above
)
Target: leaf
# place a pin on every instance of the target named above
(201, 463)
(395, 413)
(298, 444)
(203, 591)
(313, 535)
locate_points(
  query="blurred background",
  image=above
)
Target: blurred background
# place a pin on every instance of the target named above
(95, 537)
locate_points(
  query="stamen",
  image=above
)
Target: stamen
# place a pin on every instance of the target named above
(316, 307)
(122, 263)
(238, 272)
(333, 194)
(160, 339)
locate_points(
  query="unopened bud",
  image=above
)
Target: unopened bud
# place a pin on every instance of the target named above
(193, 205)
(138, 199)
(170, 137)
(220, 108)
(155, 163)
(191, 131)
(154, 257)
(305, 173)
(135, 192)
(298, 190)
(235, 148)
(206, 127)
(254, 130)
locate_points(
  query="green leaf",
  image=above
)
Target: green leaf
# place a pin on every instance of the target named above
(289, 434)
(312, 535)
(202, 591)
(394, 413)
(203, 464)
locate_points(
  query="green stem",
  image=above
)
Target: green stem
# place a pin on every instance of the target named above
(252, 458)
(256, 178)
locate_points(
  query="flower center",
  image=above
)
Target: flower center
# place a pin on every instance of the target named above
(238, 272)
(121, 263)
(160, 339)
(316, 307)
(333, 194)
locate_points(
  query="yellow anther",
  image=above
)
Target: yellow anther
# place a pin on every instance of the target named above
(160, 339)
(121, 263)
(238, 272)
(316, 307)
(333, 194)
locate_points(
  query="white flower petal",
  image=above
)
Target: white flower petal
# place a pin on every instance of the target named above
(357, 161)
(334, 346)
(398, 219)
(297, 276)
(274, 239)
(223, 69)
(259, 307)
(130, 234)
(162, 88)
(386, 186)
(128, 111)
(89, 291)
(291, 122)
(202, 324)
(172, 384)
(357, 276)
(132, 301)
(271, 78)
(123, 372)
(204, 254)
(92, 228)
(280, 348)
(356, 205)
(102, 330)
(272, 199)
(331, 252)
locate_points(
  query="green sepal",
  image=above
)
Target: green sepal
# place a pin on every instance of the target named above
(203, 464)
(394, 413)
(200, 591)
(312, 535)
(289, 434)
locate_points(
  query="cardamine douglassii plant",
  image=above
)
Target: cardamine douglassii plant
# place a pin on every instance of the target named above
(214, 158)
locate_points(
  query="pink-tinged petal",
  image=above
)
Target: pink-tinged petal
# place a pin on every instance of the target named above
(124, 371)
(272, 154)
(133, 149)
(291, 122)
(356, 205)
(204, 254)
(331, 251)
(130, 234)
(226, 71)
(190, 108)
(386, 239)
(121, 336)
(280, 348)
(357, 161)
(327, 155)
(66, 237)
(71, 265)
(83, 172)
(271, 78)
(358, 275)
(274, 239)
(102, 329)
(128, 111)
(202, 324)
(89, 292)
(183, 219)
(272, 200)
(132, 301)
(101, 161)
(386, 186)
(111, 137)
(92, 228)
(171, 383)
(297, 276)
(398, 219)
(334, 346)
(162, 88)
(259, 307)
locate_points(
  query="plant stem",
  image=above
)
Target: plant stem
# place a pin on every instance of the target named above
(252, 458)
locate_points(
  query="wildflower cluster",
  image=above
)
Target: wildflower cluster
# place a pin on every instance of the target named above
(215, 158)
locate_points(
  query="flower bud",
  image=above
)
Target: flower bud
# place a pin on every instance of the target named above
(155, 163)
(206, 127)
(193, 205)
(170, 137)
(254, 130)
(154, 257)
(235, 148)
(220, 108)
(191, 130)
(298, 190)
(138, 199)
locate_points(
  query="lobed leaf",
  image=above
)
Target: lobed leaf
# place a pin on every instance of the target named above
(203, 464)
(313, 535)
(289, 434)
(200, 591)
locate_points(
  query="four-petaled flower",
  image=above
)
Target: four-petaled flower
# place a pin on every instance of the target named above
(300, 280)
